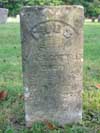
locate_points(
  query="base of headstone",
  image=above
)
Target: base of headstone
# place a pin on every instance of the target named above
(3, 15)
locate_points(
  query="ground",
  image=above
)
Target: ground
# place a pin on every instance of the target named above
(12, 108)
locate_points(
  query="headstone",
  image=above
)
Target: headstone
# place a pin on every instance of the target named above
(93, 19)
(99, 18)
(52, 48)
(3, 15)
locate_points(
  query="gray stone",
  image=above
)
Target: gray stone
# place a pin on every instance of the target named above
(3, 15)
(52, 49)
(99, 18)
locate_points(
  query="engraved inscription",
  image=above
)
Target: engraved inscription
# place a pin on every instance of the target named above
(49, 28)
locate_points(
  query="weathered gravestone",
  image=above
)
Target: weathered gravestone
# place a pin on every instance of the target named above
(99, 18)
(3, 15)
(52, 46)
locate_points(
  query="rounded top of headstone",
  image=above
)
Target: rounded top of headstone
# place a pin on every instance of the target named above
(59, 6)
(5, 9)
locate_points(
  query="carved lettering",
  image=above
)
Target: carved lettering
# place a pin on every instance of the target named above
(49, 28)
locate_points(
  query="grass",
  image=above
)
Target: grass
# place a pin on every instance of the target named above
(12, 109)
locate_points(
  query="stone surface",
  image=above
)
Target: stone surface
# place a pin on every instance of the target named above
(52, 48)
(99, 18)
(3, 15)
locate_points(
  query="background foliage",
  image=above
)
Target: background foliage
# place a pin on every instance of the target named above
(92, 7)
